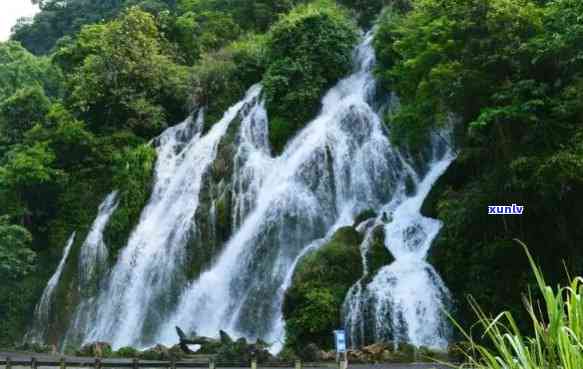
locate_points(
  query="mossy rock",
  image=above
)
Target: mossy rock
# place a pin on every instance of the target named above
(313, 304)
(364, 215)
(377, 256)
(213, 216)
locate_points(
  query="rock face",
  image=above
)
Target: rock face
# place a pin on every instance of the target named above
(225, 348)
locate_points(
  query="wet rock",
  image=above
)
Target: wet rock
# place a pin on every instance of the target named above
(225, 348)
(365, 215)
(158, 352)
(95, 349)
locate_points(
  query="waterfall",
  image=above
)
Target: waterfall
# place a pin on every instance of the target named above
(42, 312)
(151, 268)
(336, 167)
(406, 300)
(281, 208)
(92, 268)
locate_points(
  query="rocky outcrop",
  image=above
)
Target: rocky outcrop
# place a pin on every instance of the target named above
(225, 348)
(95, 349)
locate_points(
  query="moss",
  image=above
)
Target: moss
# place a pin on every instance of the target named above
(378, 255)
(213, 216)
(280, 132)
(133, 179)
(313, 304)
(364, 215)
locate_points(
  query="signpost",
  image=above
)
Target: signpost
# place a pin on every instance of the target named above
(340, 342)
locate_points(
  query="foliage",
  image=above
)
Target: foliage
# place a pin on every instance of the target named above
(30, 174)
(17, 261)
(20, 112)
(207, 31)
(252, 15)
(222, 77)
(555, 333)
(60, 18)
(367, 11)
(16, 257)
(313, 303)
(307, 51)
(133, 171)
(509, 72)
(127, 81)
(20, 69)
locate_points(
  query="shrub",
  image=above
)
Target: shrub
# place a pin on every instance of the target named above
(308, 50)
(222, 77)
(134, 170)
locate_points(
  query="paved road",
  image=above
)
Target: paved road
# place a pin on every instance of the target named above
(28, 356)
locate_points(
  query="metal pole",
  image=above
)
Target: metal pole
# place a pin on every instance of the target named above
(8, 363)
(33, 363)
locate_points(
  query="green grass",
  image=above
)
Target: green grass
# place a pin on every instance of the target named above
(555, 340)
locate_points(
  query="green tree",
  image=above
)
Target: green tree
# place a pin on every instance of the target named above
(30, 174)
(203, 32)
(307, 51)
(16, 257)
(510, 74)
(20, 69)
(128, 80)
(21, 112)
(17, 262)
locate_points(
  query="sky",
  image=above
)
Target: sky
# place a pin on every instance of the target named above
(10, 11)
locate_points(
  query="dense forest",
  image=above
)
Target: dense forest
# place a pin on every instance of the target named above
(86, 85)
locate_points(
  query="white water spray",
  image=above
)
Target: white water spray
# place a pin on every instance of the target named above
(92, 268)
(152, 266)
(42, 312)
(339, 165)
(406, 300)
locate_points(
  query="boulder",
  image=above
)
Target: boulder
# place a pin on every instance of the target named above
(158, 352)
(95, 349)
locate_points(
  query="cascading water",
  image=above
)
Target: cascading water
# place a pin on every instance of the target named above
(406, 300)
(339, 165)
(140, 289)
(92, 267)
(37, 333)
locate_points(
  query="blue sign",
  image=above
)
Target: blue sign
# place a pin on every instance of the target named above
(340, 340)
